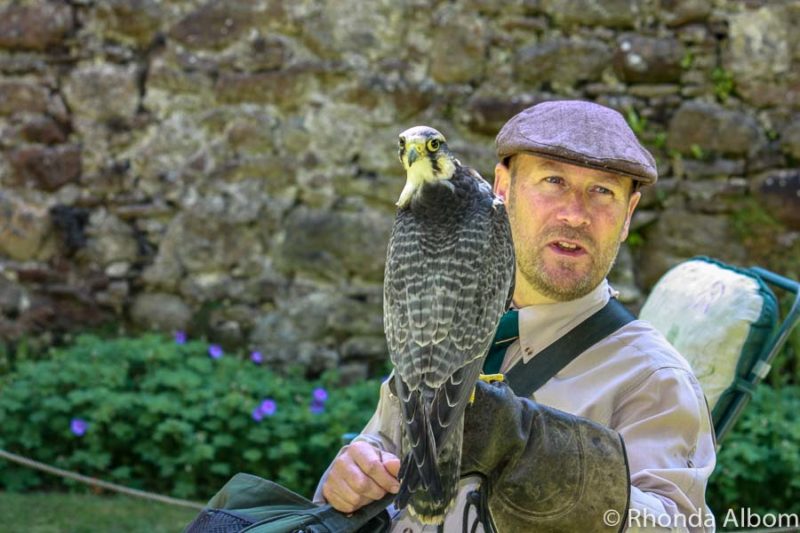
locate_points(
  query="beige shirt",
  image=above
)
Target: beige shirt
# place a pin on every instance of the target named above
(633, 382)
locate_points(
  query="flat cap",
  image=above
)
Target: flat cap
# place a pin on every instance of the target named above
(580, 133)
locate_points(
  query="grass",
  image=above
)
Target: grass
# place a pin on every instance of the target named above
(85, 513)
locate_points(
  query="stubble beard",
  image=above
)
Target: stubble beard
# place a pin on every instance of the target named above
(562, 282)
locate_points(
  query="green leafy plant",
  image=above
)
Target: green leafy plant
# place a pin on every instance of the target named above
(687, 60)
(723, 84)
(13, 353)
(635, 239)
(637, 123)
(757, 465)
(660, 140)
(649, 133)
(173, 417)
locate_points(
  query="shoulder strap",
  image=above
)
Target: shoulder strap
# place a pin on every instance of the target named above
(526, 378)
(371, 518)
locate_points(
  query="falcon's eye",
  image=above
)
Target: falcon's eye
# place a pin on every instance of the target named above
(433, 145)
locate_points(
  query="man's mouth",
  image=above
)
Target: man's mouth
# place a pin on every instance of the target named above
(567, 248)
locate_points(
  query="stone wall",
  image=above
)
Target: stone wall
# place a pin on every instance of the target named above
(228, 167)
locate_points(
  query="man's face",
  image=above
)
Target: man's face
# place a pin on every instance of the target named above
(567, 222)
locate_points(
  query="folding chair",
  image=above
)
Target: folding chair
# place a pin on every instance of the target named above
(725, 321)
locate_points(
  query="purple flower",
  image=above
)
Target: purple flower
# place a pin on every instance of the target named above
(257, 414)
(215, 351)
(257, 358)
(78, 426)
(180, 337)
(320, 395)
(316, 408)
(268, 407)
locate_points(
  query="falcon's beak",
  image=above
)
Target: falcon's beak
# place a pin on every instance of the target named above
(412, 155)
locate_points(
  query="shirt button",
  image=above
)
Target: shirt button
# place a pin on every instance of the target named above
(528, 351)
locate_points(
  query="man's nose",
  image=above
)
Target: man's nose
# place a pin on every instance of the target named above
(574, 210)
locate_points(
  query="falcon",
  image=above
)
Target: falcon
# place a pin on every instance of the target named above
(449, 278)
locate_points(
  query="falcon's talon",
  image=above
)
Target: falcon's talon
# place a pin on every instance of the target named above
(486, 378)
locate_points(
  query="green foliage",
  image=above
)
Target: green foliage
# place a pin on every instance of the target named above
(752, 217)
(32, 347)
(648, 133)
(758, 466)
(168, 418)
(660, 140)
(687, 60)
(723, 84)
(635, 239)
(638, 124)
(14, 353)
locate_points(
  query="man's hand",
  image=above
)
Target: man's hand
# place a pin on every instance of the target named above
(360, 475)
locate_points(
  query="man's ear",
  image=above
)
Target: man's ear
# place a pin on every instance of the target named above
(632, 203)
(502, 181)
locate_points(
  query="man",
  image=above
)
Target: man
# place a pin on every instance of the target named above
(569, 173)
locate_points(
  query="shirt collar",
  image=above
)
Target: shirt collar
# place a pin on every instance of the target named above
(541, 325)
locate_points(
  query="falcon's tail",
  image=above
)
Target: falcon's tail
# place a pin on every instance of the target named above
(422, 503)
(410, 482)
(419, 469)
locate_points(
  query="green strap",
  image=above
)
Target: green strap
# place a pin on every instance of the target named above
(336, 522)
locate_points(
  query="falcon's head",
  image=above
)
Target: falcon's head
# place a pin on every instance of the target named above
(426, 158)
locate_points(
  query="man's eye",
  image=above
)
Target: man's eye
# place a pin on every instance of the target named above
(555, 180)
(603, 190)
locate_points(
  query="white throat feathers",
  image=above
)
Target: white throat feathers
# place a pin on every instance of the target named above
(421, 172)
(426, 158)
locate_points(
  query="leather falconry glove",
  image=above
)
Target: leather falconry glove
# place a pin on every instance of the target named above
(543, 469)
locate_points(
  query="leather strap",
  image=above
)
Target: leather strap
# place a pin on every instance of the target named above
(526, 378)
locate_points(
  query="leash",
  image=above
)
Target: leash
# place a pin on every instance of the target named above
(97, 482)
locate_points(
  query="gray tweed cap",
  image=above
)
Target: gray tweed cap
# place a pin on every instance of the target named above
(580, 133)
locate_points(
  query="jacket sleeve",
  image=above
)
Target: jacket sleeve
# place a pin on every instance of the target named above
(669, 438)
(382, 430)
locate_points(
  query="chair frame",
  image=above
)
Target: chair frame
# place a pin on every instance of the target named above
(768, 353)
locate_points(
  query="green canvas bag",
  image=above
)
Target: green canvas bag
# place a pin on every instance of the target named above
(251, 504)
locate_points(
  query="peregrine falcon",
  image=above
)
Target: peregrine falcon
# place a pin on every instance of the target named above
(449, 278)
